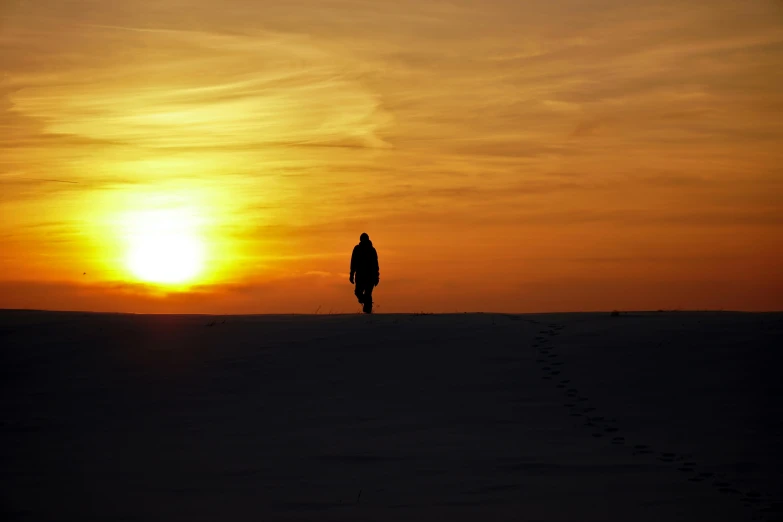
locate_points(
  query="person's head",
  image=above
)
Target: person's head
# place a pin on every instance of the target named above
(364, 237)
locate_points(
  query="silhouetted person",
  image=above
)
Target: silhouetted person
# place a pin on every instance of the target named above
(364, 263)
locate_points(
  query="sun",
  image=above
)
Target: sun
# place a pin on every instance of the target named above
(164, 246)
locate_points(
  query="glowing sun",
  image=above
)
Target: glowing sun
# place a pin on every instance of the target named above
(164, 247)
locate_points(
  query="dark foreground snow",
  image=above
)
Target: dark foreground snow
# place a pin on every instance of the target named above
(643, 417)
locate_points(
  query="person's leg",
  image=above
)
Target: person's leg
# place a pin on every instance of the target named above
(359, 291)
(368, 299)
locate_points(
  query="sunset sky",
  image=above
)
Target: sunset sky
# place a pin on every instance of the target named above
(503, 155)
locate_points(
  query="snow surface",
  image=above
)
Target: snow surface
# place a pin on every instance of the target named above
(666, 416)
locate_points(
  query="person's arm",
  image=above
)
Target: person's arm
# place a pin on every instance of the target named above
(353, 265)
(377, 268)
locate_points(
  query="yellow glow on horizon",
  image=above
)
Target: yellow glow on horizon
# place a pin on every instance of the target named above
(164, 246)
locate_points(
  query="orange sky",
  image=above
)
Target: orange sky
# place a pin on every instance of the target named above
(502, 155)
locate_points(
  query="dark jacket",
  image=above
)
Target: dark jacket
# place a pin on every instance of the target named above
(364, 262)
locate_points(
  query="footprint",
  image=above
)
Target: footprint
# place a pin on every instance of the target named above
(642, 449)
(775, 507)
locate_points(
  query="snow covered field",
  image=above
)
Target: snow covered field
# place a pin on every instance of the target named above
(553, 417)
